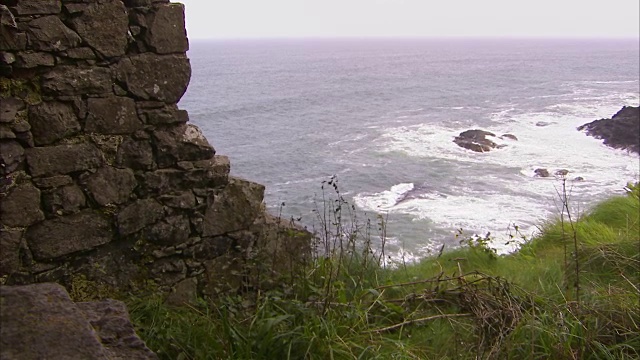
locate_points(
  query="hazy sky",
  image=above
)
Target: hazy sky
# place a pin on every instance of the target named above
(409, 18)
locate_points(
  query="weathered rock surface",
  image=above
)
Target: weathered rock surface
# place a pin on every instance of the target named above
(166, 32)
(205, 174)
(21, 206)
(112, 115)
(10, 241)
(110, 319)
(152, 77)
(64, 200)
(11, 156)
(9, 108)
(75, 80)
(52, 121)
(41, 322)
(138, 215)
(63, 159)
(53, 181)
(30, 59)
(68, 234)
(103, 26)
(476, 140)
(182, 200)
(622, 131)
(170, 231)
(81, 53)
(135, 154)
(109, 185)
(162, 115)
(49, 33)
(37, 7)
(182, 143)
(235, 208)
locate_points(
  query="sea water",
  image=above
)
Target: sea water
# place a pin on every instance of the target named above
(381, 114)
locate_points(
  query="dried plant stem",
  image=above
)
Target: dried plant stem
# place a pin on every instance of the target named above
(409, 322)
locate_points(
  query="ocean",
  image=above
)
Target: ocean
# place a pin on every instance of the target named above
(380, 115)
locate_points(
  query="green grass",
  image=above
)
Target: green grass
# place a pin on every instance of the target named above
(468, 303)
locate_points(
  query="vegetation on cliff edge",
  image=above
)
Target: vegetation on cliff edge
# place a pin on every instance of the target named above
(570, 293)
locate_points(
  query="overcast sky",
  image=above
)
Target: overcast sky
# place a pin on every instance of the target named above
(411, 18)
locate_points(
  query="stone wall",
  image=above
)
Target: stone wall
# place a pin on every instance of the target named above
(104, 183)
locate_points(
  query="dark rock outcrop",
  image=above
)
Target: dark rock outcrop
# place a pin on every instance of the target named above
(476, 140)
(622, 131)
(41, 322)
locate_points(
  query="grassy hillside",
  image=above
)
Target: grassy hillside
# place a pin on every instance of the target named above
(570, 293)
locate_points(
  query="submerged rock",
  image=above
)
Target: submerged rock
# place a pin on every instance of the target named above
(541, 172)
(544, 123)
(622, 131)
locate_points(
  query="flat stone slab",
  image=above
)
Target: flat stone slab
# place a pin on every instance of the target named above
(68, 234)
(111, 320)
(41, 322)
(63, 159)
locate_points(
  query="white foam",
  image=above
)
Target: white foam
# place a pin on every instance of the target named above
(610, 82)
(526, 200)
(409, 110)
(384, 200)
(474, 213)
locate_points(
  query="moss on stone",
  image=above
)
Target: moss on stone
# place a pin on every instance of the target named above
(28, 90)
(108, 144)
(75, 140)
(82, 289)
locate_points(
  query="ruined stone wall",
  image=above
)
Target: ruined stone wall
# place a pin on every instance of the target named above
(102, 177)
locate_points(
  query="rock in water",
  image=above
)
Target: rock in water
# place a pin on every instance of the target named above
(475, 140)
(509, 136)
(540, 172)
(620, 132)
